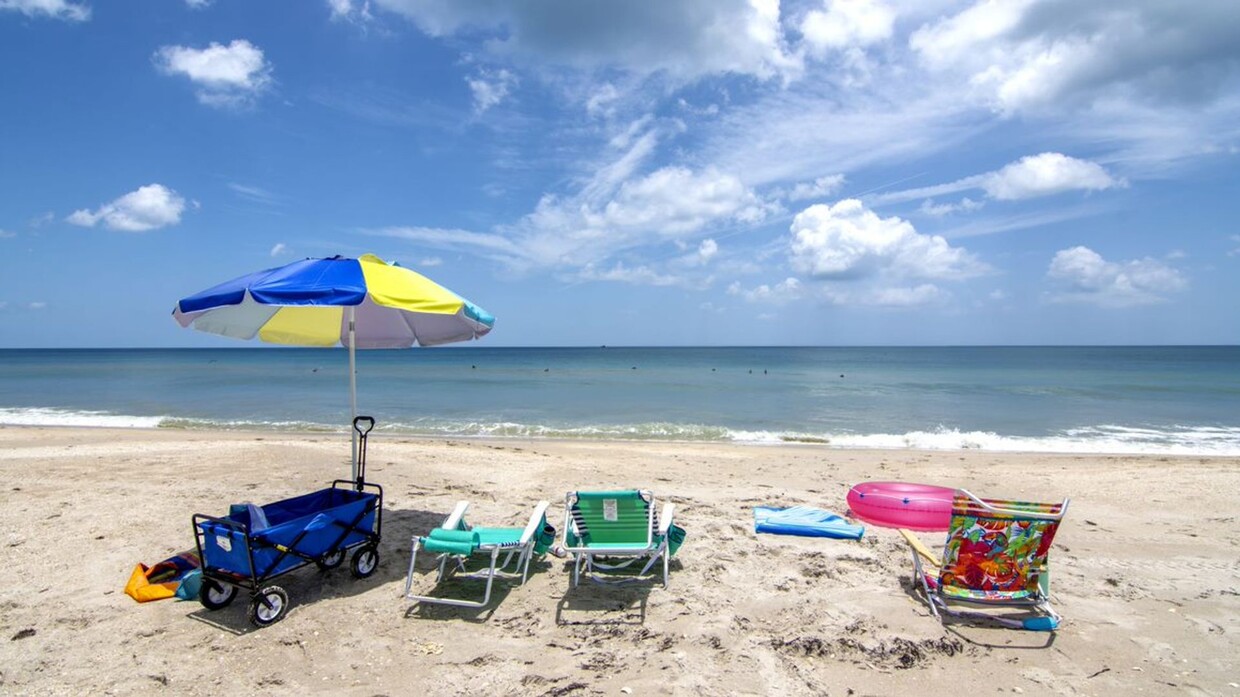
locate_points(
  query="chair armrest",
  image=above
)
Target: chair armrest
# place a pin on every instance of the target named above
(665, 518)
(920, 547)
(456, 519)
(536, 519)
(568, 518)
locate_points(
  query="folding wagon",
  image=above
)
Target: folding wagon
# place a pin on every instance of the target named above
(253, 545)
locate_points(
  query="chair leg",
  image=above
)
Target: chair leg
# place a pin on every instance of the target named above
(524, 561)
(486, 598)
(412, 560)
(491, 573)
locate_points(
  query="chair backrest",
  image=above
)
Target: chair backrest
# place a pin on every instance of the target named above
(613, 517)
(998, 545)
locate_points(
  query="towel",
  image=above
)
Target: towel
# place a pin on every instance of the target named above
(804, 521)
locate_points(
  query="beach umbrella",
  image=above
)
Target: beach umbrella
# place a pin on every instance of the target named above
(364, 303)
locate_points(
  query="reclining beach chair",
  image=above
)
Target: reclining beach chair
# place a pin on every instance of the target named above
(456, 542)
(610, 531)
(995, 555)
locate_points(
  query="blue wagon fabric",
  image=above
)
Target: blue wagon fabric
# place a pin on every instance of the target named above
(323, 515)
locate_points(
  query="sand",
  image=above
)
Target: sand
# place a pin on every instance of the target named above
(1146, 572)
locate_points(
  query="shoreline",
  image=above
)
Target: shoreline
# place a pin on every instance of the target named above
(1145, 581)
(808, 442)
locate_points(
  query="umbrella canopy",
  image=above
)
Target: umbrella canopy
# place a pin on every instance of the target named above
(304, 304)
(358, 303)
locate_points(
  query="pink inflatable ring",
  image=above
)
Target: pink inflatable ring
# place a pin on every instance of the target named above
(902, 505)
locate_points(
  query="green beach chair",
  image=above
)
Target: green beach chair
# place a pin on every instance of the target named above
(995, 555)
(610, 531)
(457, 543)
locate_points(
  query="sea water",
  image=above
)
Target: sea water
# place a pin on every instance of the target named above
(1172, 400)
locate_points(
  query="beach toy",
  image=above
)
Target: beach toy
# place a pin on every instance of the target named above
(902, 505)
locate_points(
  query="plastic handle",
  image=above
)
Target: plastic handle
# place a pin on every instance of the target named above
(359, 421)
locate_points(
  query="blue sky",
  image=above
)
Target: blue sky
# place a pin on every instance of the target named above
(706, 172)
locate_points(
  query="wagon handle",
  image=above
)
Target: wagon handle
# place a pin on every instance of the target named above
(363, 426)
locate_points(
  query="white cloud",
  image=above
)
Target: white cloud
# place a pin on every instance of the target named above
(253, 193)
(819, 188)
(956, 39)
(5, 234)
(150, 207)
(56, 9)
(1235, 239)
(616, 211)
(601, 102)
(1082, 275)
(848, 241)
(619, 272)
(1023, 55)
(198, 4)
(1046, 174)
(819, 125)
(918, 103)
(844, 23)
(226, 76)
(490, 245)
(708, 110)
(1033, 176)
(278, 249)
(672, 201)
(938, 210)
(37, 305)
(786, 291)
(429, 262)
(490, 87)
(614, 216)
(684, 40)
(707, 250)
(911, 296)
(355, 12)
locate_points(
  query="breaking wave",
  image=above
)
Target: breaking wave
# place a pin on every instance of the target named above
(1102, 439)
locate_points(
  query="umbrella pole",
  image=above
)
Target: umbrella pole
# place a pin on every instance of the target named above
(353, 389)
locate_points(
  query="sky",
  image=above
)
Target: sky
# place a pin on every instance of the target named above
(701, 172)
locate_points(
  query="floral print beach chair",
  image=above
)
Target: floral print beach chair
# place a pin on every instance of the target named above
(995, 555)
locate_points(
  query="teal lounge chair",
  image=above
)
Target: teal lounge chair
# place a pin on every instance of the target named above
(610, 531)
(456, 543)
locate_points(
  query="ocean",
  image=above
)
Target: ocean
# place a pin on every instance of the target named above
(1168, 400)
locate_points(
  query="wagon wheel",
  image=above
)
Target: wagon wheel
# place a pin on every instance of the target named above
(330, 561)
(365, 561)
(268, 606)
(215, 595)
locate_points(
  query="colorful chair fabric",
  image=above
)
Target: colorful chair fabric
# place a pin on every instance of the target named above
(456, 542)
(609, 531)
(995, 555)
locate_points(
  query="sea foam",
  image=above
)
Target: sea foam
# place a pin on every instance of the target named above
(40, 416)
(1101, 439)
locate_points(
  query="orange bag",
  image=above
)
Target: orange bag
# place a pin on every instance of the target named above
(160, 581)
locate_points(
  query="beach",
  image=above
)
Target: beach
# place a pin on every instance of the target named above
(1145, 571)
